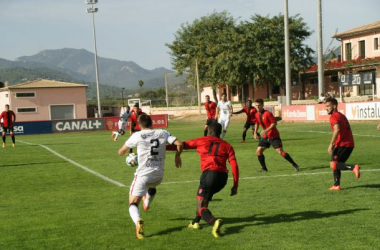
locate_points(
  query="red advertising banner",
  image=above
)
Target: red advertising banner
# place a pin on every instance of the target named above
(321, 113)
(159, 121)
(294, 113)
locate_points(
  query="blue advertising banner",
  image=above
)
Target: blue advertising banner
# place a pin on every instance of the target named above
(29, 128)
(78, 125)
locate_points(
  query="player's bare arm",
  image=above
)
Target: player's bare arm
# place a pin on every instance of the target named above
(178, 160)
(265, 131)
(124, 149)
(333, 139)
(255, 132)
(231, 110)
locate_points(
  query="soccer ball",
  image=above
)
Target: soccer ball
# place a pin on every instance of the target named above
(131, 160)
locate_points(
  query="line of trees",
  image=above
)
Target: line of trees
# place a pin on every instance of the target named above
(238, 53)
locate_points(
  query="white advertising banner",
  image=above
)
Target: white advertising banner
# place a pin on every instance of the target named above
(363, 111)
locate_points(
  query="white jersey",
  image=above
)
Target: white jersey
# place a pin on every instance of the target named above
(224, 109)
(125, 116)
(151, 150)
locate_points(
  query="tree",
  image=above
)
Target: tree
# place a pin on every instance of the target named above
(141, 83)
(204, 40)
(267, 35)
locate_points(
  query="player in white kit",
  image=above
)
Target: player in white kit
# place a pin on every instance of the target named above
(151, 150)
(122, 124)
(224, 111)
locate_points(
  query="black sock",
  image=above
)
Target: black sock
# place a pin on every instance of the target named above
(336, 177)
(197, 219)
(262, 161)
(205, 132)
(13, 139)
(4, 139)
(289, 159)
(244, 135)
(130, 151)
(207, 216)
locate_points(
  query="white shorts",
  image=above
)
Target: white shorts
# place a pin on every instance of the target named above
(121, 125)
(141, 184)
(224, 122)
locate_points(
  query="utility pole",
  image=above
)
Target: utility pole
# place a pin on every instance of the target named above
(321, 72)
(198, 88)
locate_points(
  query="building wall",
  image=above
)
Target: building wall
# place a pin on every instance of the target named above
(44, 97)
(370, 50)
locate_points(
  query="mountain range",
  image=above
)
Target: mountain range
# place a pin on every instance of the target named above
(78, 65)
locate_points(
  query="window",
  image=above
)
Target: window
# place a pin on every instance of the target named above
(276, 90)
(348, 52)
(27, 94)
(376, 43)
(334, 78)
(362, 49)
(26, 110)
(314, 81)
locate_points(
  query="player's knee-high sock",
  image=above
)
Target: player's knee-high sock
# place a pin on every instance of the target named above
(3, 138)
(134, 212)
(244, 135)
(262, 161)
(205, 132)
(223, 134)
(288, 158)
(343, 166)
(197, 219)
(130, 150)
(337, 174)
(13, 139)
(207, 216)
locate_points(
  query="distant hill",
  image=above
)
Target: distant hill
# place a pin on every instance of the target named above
(79, 64)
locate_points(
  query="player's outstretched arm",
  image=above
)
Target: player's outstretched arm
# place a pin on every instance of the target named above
(123, 150)
(177, 159)
(235, 171)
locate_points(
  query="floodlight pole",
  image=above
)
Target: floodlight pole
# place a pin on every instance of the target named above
(288, 87)
(93, 10)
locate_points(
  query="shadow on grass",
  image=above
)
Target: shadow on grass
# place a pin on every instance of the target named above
(365, 186)
(280, 218)
(30, 163)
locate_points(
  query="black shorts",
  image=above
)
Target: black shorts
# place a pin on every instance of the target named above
(5, 129)
(210, 121)
(211, 182)
(341, 154)
(276, 142)
(249, 124)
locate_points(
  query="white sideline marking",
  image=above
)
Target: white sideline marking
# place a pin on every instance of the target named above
(77, 164)
(270, 176)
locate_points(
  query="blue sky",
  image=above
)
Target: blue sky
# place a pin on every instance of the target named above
(138, 30)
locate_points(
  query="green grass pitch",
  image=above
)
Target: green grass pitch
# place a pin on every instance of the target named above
(47, 202)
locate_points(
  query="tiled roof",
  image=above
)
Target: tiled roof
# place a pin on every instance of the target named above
(359, 30)
(43, 83)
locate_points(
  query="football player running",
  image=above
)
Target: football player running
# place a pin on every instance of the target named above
(224, 111)
(151, 150)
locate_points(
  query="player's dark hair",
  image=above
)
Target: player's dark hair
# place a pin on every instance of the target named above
(207, 96)
(260, 101)
(136, 105)
(7, 105)
(215, 129)
(145, 121)
(332, 100)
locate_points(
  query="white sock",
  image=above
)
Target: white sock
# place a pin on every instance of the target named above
(223, 134)
(148, 199)
(116, 135)
(134, 213)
